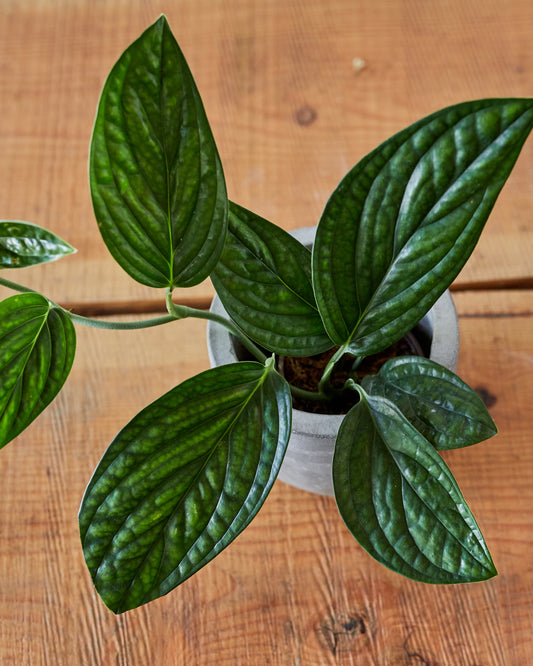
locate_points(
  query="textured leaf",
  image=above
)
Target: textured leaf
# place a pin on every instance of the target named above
(434, 400)
(402, 223)
(37, 346)
(25, 244)
(156, 180)
(182, 480)
(400, 500)
(263, 279)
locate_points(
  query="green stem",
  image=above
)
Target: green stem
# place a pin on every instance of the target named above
(352, 385)
(324, 385)
(298, 392)
(16, 287)
(184, 311)
(94, 323)
(119, 325)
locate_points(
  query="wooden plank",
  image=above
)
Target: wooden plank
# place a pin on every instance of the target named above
(294, 588)
(289, 110)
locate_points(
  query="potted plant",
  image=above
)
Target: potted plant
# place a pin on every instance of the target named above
(192, 469)
(308, 459)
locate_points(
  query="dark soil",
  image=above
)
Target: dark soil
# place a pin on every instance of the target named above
(306, 372)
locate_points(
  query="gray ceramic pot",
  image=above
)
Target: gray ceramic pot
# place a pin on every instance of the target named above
(308, 460)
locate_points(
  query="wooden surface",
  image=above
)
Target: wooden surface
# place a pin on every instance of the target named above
(291, 114)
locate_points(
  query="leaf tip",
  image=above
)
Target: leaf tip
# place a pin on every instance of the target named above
(489, 572)
(162, 20)
(270, 362)
(492, 571)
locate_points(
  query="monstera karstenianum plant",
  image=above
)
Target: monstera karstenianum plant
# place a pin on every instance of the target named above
(190, 471)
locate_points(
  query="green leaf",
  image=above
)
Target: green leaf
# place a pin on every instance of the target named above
(37, 346)
(434, 400)
(182, 480)
(403, 222)
(156, 180)
(263, 279)
(400, 501)
(25, 244)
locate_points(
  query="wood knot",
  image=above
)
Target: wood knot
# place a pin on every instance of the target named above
(343, 632)
(488, 398)
(305, 115)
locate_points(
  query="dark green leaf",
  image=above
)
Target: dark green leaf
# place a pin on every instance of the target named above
(182, 480)
(263, 279)
(402, 223)
(156, 180)
(25, 244)
(400, 500)
(434, 400)
(37, 346)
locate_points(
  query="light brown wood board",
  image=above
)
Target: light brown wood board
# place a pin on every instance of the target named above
(296, 93)
(294, 588)
(291, 113)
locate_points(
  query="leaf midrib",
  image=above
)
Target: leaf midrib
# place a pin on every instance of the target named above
(458, 576)
(429, 508)
(162, 142)
(185, 493)
(197, 476)
(272, 271)
(27, 351)
(395, 251)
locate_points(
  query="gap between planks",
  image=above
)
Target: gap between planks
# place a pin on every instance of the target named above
(154, 306)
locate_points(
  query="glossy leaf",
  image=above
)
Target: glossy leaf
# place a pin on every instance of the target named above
(156, 180)
(434, 400)
(402, 223)
(400, 500)
(182, 480)
(263, 279)
(37, 346)
(25, 244)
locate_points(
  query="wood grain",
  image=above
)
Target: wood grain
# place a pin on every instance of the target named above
(291, 113)
(289, 110)
(294, 588)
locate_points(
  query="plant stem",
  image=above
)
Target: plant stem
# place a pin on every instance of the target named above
(354, 386)
(298, 392)
(177, 312)
(119, 325)
(94, 323)
(184, 311)
(324, 385)
(16, 287)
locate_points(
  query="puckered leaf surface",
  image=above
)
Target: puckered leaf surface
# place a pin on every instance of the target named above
(37, 347)
(156, 180)
(402, 223)
(182, 480)
(436, 401)
(25, 244)
(263, 279)
(400, 500)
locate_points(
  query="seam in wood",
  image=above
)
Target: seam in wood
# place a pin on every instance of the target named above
(110, 308)
(494, 285)
(157, 306)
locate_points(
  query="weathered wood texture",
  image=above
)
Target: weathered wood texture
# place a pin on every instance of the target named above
(294, 588)
(289, 110)
(291, 114)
